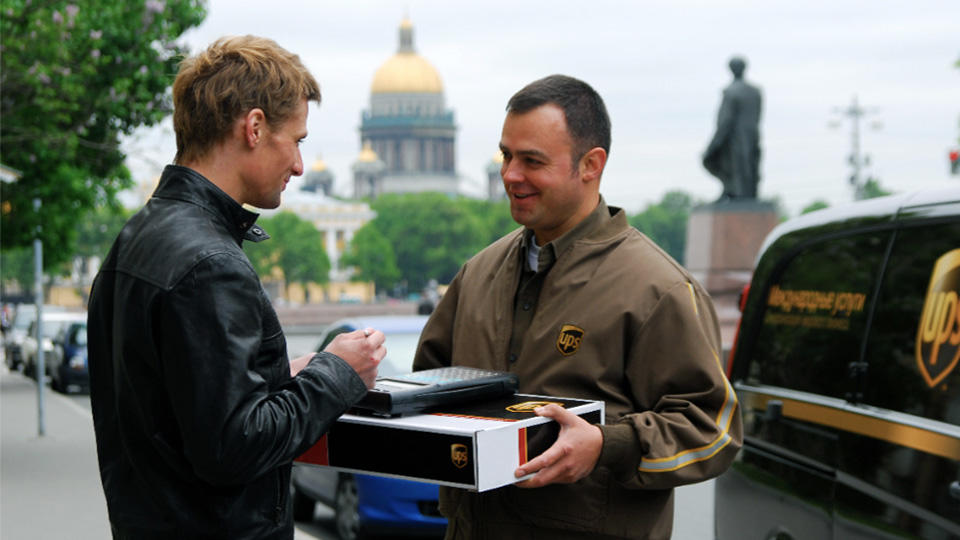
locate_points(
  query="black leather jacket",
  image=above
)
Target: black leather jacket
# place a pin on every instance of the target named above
(196, 416)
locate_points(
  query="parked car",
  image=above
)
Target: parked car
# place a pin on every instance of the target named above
(846, 366)
(16, 333)
(365, 504)
(53, 323)
(14, 336)
(67, 363)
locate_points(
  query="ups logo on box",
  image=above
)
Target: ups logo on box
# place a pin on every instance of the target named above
(529, 406)
(458, 455)
(938, 335)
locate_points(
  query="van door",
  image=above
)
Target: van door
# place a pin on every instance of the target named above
(795, 370)
(898, 474)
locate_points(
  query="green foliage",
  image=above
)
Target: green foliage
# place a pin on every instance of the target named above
(96, 233)
(17, 270)
(295, 246)
(433, 235)
(666, 222)
(372, 255)
(872, 189)
(818, 204)
(494, 217)
(76, 76)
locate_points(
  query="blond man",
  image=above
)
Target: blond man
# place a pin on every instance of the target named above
(198, 411)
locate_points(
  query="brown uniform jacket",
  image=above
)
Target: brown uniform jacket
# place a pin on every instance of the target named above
(649, 348)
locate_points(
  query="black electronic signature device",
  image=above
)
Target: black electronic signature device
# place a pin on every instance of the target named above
(414, 392)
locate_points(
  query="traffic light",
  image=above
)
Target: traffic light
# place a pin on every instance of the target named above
(955, 162)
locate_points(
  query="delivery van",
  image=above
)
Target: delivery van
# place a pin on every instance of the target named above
(846, 366)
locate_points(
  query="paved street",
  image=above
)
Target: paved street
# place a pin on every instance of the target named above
(50, 487)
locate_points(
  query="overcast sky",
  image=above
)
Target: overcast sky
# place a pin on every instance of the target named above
(661, 68)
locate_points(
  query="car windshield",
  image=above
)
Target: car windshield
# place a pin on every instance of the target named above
(23, 318)
(81, 337)
(51, 328)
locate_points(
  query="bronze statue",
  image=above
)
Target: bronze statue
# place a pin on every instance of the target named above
(733, 155)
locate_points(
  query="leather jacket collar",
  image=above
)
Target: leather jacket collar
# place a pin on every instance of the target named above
(185, 184)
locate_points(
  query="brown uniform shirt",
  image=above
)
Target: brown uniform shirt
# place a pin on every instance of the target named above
(612, 318)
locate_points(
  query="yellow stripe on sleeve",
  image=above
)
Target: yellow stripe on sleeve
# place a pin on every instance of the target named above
(723, 420)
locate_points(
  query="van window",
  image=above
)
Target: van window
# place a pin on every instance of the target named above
(815, 314)
(918, 299)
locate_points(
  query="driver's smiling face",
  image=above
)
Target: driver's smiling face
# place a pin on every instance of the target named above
(544, 185)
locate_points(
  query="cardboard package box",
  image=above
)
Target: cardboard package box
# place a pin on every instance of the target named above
(475, 446)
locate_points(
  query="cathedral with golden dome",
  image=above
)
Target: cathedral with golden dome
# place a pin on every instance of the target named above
(408, 135)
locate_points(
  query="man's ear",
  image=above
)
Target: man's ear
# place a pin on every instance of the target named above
(592, 163)
(254, 127)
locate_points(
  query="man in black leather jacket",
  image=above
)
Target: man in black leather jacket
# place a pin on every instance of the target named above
(197, 410)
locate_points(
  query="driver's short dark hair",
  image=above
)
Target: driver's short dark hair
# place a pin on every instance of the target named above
(586, 116)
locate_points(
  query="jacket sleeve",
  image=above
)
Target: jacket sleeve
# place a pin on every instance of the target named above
(436, 340)
(687, 427)
(234, 427)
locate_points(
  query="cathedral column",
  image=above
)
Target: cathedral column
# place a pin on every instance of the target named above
(331, 248)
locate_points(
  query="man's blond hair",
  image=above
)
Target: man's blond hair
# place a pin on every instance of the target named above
(231, 77)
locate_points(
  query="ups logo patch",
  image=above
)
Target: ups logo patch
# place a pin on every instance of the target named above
(938, 335)
(458, 455)
(568, 342)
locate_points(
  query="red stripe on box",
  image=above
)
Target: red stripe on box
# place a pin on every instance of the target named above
(522, 436)
(317, 454)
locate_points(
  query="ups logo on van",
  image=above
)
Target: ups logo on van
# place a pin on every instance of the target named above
(938, 336)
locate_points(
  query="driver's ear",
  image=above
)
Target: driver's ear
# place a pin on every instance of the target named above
(592, 163)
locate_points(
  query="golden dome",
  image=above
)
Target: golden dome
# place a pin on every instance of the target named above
(367, 155)
(319, 165)
(406, 71)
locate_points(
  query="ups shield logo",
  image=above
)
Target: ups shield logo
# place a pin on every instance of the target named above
(529, 406)
(458, 455)
(568, 342)
(938, 336)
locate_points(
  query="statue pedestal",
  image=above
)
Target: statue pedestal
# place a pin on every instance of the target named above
(723, 241)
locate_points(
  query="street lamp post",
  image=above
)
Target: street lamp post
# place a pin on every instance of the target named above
(41, 371)
(857, 159)
(9, 175)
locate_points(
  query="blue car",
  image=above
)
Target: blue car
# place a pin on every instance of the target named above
(365, 504)
(67, 362)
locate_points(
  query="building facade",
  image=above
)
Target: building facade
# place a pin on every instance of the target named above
(337, 220)
(407, 129)
(495, 190)
(319, 179)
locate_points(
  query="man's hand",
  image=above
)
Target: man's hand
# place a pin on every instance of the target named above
(362, 349)
(570, 458)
